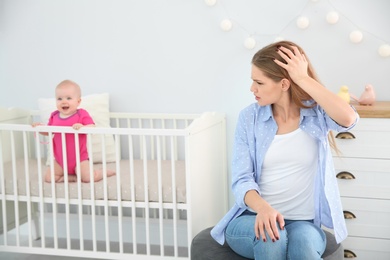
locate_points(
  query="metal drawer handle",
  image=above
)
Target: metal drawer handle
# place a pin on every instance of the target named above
(345, 135)
(349, 254)
(345, 175)
(348, 214)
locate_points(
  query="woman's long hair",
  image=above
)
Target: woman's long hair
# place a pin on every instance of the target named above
(264, 60)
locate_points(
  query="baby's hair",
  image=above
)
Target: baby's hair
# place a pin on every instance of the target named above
(68, 82)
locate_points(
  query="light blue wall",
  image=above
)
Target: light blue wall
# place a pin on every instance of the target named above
(172, 56)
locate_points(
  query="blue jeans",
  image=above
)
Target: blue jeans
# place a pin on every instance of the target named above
(300, 240)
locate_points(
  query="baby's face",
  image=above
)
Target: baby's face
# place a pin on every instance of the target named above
(67, 100)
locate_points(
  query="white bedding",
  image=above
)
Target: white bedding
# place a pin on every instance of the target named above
(111, 181)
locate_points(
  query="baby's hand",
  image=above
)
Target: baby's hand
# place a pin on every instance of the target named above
(77, 126)
(36, 124)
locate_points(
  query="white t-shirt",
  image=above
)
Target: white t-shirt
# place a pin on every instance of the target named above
(288, 175)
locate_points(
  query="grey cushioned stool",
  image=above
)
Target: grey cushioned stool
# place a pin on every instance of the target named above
(204, 247)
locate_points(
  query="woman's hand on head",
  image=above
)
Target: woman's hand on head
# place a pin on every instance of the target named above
(296, 64)
(266, 221)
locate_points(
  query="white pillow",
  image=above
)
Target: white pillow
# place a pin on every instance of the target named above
(97, 106)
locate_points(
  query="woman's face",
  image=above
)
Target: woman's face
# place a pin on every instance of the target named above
(266, 90)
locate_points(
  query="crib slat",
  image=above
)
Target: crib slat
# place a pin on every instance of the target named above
(141, 144)
(188, 199)
(92, 194)
(152, 151)
(66, 181)
(15, 186)
(27, 185)
(132, 190)
(33, 222)
(160, 196)
(3, 200)
(106, 217)
(41, 220)
(79, 191)
(174, 198)
(164, 150)
(146, 189)
(53, 185)
(119, 193)
(175, 141)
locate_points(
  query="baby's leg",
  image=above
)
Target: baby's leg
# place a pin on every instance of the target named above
(97, 174)
(58, 173)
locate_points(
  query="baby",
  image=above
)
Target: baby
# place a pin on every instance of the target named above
(68, 98)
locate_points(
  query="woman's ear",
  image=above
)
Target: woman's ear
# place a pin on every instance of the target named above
(285, 84)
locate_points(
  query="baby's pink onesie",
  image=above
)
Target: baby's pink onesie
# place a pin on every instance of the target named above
(82, 117)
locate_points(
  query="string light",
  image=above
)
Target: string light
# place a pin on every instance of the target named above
(278, 39)
(356, 36)
(332, 17)
(226, 25)
(384, 50)
(250, 43)
(210, 2)
(303, 22)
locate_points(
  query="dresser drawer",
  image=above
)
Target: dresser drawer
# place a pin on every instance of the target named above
(371, 140)
(367, 248)
(367, 217)
(366, 145)
(363, 178)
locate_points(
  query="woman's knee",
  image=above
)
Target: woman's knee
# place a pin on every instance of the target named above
(305, 240)
(241, 238)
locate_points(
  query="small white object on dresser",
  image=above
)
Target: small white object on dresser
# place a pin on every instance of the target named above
(363, 172)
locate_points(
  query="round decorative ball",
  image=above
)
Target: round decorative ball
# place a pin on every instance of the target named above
(303, 22)
(356, 36)
(384, 50)
(278, 39)
(332, 17)
(250, 43)
(226, 25)
(210, 2)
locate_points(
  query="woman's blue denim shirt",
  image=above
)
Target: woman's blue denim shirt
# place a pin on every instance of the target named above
(254, 133)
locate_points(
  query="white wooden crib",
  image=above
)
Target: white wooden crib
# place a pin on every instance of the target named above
(170, 183)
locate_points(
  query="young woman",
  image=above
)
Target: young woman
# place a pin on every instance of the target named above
(283, 175)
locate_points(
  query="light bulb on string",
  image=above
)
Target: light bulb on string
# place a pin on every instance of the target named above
(210, 2)
(278, 39)
(356, 36)
(332, 17)
(250, 43)
(384, 50)
(303, 22)
(226, 25)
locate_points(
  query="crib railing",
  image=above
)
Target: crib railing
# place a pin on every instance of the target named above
(115, 223)
(52, 227)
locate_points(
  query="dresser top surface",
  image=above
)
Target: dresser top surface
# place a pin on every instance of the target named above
(380, 109)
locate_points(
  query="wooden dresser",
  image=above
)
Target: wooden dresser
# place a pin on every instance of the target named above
(363, 172)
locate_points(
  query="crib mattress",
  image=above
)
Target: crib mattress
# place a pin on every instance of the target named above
(125, 183)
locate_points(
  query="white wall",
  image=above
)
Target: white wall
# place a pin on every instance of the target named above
(172, 56)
